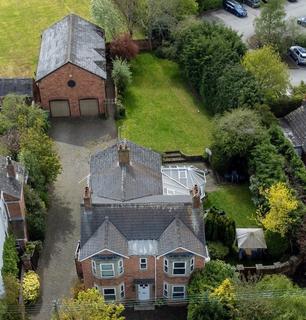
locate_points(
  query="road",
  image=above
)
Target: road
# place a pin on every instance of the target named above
(245, 27)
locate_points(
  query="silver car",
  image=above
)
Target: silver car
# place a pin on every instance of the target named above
(302, 21)
(298, 54)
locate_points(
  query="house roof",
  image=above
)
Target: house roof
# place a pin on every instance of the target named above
(20, 86)
(73, 40)
(250, 238)
(294, 126)
(173, 225)
(140, 178)
(11, 186)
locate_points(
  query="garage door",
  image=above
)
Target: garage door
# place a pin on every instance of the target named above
(59, 108)
(89, 107)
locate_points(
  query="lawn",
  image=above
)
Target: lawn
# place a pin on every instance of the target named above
(235, 200)
(21, 24)
(162, 113)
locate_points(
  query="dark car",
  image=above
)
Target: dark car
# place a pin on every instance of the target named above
(235, 7)
(302, 21)
(252, 3)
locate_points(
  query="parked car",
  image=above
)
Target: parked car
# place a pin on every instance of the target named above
(252, 3)
(302, 21)
(235, 7)
(298, 54)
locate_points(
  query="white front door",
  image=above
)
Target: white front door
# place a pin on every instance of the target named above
(143, 292)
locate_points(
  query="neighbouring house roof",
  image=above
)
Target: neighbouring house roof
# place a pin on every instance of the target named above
(19, 86)
(180, 179)
(73, 40)
(141, 178)
(8, 185)
(144, 222)
(294, 127)
(250, 238)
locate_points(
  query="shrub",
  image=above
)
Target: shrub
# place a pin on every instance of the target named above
(217, 250)
(36, 214)
(286, 104)
(121, 74)
(209, 4)
(12, 310)
(10, 257)
(276, 244)
(124, 47)
(30, 287)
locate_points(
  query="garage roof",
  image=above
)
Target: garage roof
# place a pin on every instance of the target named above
(73, 40)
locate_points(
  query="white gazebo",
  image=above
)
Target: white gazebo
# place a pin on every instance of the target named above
(250, 240)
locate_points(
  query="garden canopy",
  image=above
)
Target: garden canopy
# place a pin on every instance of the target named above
(250, 238)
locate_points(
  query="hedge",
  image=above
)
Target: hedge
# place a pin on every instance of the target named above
(209, 4)
(10, 257)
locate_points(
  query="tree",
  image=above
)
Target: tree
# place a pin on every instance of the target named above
(89, 305)
(123, 47)
(270, 26)
(107, 15)
(234, 135)
(121, 74)
(301, 237)
(282, 203)
(235, 88)
(269, 71)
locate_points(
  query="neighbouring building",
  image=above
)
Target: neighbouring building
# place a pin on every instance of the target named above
(138, 242)
(71, 71)
(12, 180)
(294, 128)
(3, 234)
(19, 86)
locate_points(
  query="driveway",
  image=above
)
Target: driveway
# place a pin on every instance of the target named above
(75, 141)
(245, 27)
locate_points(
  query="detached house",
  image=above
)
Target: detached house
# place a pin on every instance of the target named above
(138, 242)
(71, 69)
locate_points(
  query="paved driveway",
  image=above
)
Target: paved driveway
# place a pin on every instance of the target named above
(75, 140)
(245, 27)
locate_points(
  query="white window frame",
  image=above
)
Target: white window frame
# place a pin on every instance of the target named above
(94, 266)
(109, 288)
(122, 291)
(180, 268)
(184, 292)
(107, 264)
(166, 290)
(191, 264)
(166, 265)
(120, 266)
(141, 263)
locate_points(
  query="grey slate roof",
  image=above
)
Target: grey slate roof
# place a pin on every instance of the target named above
(11, 186)
(136, 221)
(294, 126)
(73, 40)
(20, 86)
(141, 178)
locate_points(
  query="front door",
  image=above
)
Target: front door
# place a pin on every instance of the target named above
(143, 292)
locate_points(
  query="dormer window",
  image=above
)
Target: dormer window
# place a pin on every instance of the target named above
(179, 268)
(120, 266)
(107, 270)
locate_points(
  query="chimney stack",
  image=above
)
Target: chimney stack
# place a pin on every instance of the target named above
(87, 198)
(196, 197)
(11, 173)
(123, 154)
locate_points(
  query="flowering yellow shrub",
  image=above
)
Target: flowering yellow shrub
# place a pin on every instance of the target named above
(30, 287)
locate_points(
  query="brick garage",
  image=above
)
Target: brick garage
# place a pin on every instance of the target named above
(71, 71)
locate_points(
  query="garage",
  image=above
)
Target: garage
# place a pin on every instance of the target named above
(59, 108)
(89, 107)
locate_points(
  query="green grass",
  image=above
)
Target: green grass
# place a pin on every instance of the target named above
(21, 24)
(162, 113)
(235, 200)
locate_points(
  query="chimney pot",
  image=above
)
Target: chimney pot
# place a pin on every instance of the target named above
(196, 197)
(11, 173)
(87, 198)
(123, 154)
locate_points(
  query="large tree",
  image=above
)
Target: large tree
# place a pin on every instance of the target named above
(270, 72)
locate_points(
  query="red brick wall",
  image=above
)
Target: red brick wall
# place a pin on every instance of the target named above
(54, 87)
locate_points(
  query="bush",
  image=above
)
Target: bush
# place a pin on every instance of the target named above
(276, 244)
(166, 51)
(121, 74)
(36, 214)
(124, 47)
(12, 309)
(281, 107)
(30, 287)
(209, 4)
(217, 250)
(10, 257)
